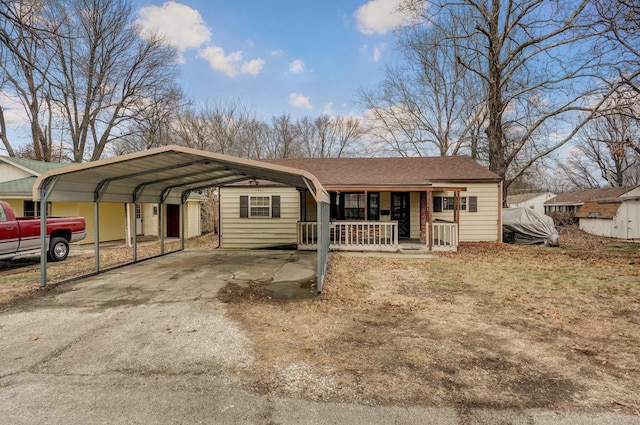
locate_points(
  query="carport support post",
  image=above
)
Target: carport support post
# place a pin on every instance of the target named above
(96, 242)
(182, 225)
(135, 233)
(43, 237)
(161, 227)
(44, 191)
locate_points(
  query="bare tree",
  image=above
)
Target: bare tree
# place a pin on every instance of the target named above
(152, 125)
(328, 136)
(605, 152)
(285, 138)
(431, 103)
(619, 22)
(82, 70)
(538, 66)
(25, 60)
(104, 71)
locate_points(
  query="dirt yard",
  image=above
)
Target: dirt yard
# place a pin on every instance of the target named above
(490, 326)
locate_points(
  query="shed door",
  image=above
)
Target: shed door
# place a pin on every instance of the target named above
(139, 227)
(173, 221)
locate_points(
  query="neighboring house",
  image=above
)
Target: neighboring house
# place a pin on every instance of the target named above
(613, 217)
(18, 175)
(563, 208)
(535, 201)
(376, 204)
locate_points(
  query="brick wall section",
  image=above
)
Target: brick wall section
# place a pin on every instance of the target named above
(423, 217)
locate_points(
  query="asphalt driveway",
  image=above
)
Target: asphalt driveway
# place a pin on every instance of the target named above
(151, 343)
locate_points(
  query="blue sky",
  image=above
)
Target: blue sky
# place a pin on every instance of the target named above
(274, 56)
(278, 56)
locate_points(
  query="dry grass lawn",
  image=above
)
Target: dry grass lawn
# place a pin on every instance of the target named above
(490, 326)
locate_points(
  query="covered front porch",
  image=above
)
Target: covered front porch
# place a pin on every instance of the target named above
(387, 219)
(375, 236)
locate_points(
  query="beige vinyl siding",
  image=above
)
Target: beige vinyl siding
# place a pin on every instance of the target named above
(192, 222)
(632, 193)
(312, 207)
(10, 172)
(149, 220)
(481, 226)
(112, 218)
(17, 205)
(385, 204)
(414, 215)
(237, 232)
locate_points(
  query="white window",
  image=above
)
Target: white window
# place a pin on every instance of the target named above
(260, 206)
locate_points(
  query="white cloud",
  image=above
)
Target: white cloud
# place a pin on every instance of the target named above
(377, 52)
(380, 16)
(14, 114)
(328, 109)
(179, 24)
(297, 66)
(277, 52)
(231, 64)
(252, 67)
(300, 101)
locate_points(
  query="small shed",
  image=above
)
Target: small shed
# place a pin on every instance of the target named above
(612, 218)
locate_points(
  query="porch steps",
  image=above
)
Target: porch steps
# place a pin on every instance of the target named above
(414, 249)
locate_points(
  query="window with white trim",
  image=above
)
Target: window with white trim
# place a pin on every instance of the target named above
(260, 206)
(447, 203)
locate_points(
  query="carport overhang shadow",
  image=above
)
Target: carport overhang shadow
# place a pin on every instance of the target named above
(165, 175)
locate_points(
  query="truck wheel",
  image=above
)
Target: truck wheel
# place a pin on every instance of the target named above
(58, 249)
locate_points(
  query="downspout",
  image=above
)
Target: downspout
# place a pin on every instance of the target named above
(430, 219)
(499, 239)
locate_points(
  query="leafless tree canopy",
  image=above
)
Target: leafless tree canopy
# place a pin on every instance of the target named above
(505, 81)
(82, 72)
(430, 104)
(605, 152)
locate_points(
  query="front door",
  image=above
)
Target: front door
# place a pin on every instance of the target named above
(400, 212)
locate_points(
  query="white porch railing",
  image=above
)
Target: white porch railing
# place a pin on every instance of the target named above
(445, 236)
(352, 236)
(372, 236)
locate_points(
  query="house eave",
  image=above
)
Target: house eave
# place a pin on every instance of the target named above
(391, 188)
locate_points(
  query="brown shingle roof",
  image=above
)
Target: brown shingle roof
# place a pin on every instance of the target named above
(599, 209)
(391, 171)
(579, 197)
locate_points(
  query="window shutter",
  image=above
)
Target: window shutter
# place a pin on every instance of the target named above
(244, 206)
(473, 204)
(437, 204)
(275, 206)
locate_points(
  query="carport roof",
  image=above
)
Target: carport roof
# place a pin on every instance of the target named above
(162, 175)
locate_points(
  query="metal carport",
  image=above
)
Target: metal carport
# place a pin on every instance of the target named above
(166, 175)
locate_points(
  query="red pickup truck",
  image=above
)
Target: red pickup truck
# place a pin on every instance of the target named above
(21, 235)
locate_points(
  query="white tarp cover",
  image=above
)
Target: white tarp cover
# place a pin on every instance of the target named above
(529, 227)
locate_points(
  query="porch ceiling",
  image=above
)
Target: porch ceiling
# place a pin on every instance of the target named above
(163, 174)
